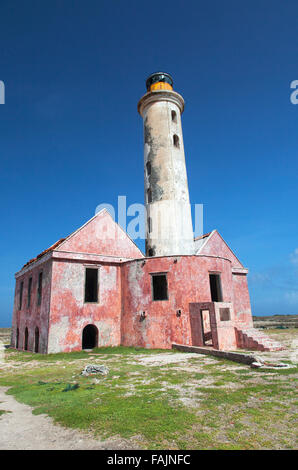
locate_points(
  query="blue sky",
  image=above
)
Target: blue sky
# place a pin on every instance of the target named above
(71, 137)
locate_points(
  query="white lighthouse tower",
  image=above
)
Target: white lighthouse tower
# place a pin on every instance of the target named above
(169, 228)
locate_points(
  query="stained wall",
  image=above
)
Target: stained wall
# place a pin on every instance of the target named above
(32, 316)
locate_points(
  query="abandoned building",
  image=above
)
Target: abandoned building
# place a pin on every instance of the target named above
(96, 288)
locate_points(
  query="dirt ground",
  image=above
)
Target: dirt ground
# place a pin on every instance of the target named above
(21, 430)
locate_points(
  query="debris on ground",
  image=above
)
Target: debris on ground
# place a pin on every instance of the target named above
(92, 369)
(256, 365)
(269, 365)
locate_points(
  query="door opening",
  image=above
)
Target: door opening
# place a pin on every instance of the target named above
(36, 340)
(206, 328)
(26, 339)
(17, 339)
(90, 337)
(215, 287)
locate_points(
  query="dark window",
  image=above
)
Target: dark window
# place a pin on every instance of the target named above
(29, 291)
(17, 338)
(149, 195)
(149, 224)
(91, 285)
(150, 252)
(174, 116)
(176, 141)
(215, 287)
(160, 287)
(21, 295)
(26, 339)
(148, 168)
(39, 289)
(36, 341)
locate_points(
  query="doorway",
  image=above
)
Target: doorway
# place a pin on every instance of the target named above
(36, 341)
(90, 337)
(215, 287)
(26, 339)
(17, 339)
(206, 328)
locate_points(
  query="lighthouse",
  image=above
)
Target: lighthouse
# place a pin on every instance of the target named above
(169, 228)
(183, 293)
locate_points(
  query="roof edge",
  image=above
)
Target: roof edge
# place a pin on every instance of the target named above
(207, 240)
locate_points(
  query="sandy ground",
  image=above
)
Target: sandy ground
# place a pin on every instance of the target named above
(21, 430)
(165, 358)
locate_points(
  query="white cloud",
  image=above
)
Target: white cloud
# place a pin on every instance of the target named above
(259, 278)
(292, 297)
(294, 257)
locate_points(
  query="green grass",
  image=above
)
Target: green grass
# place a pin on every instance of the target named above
(25, 356)
(240, 408)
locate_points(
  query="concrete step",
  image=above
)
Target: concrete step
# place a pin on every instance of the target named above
(250, 338)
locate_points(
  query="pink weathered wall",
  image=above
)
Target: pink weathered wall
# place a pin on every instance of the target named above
(225, 330)
(34, 315)
(101, 235)
(216, 246)
(188, 282)
(243, 316)
(125, 292)
(70, 314)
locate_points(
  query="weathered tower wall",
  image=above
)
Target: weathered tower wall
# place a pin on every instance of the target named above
(169, 224)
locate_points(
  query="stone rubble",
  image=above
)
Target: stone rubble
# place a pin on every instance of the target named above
(92, 369)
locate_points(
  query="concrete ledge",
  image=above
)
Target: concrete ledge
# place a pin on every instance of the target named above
(231, 356)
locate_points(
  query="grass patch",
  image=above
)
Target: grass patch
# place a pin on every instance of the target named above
(26, 356)
(164, 405)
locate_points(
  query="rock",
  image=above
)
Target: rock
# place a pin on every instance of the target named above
(256, 365)
(92, 369)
